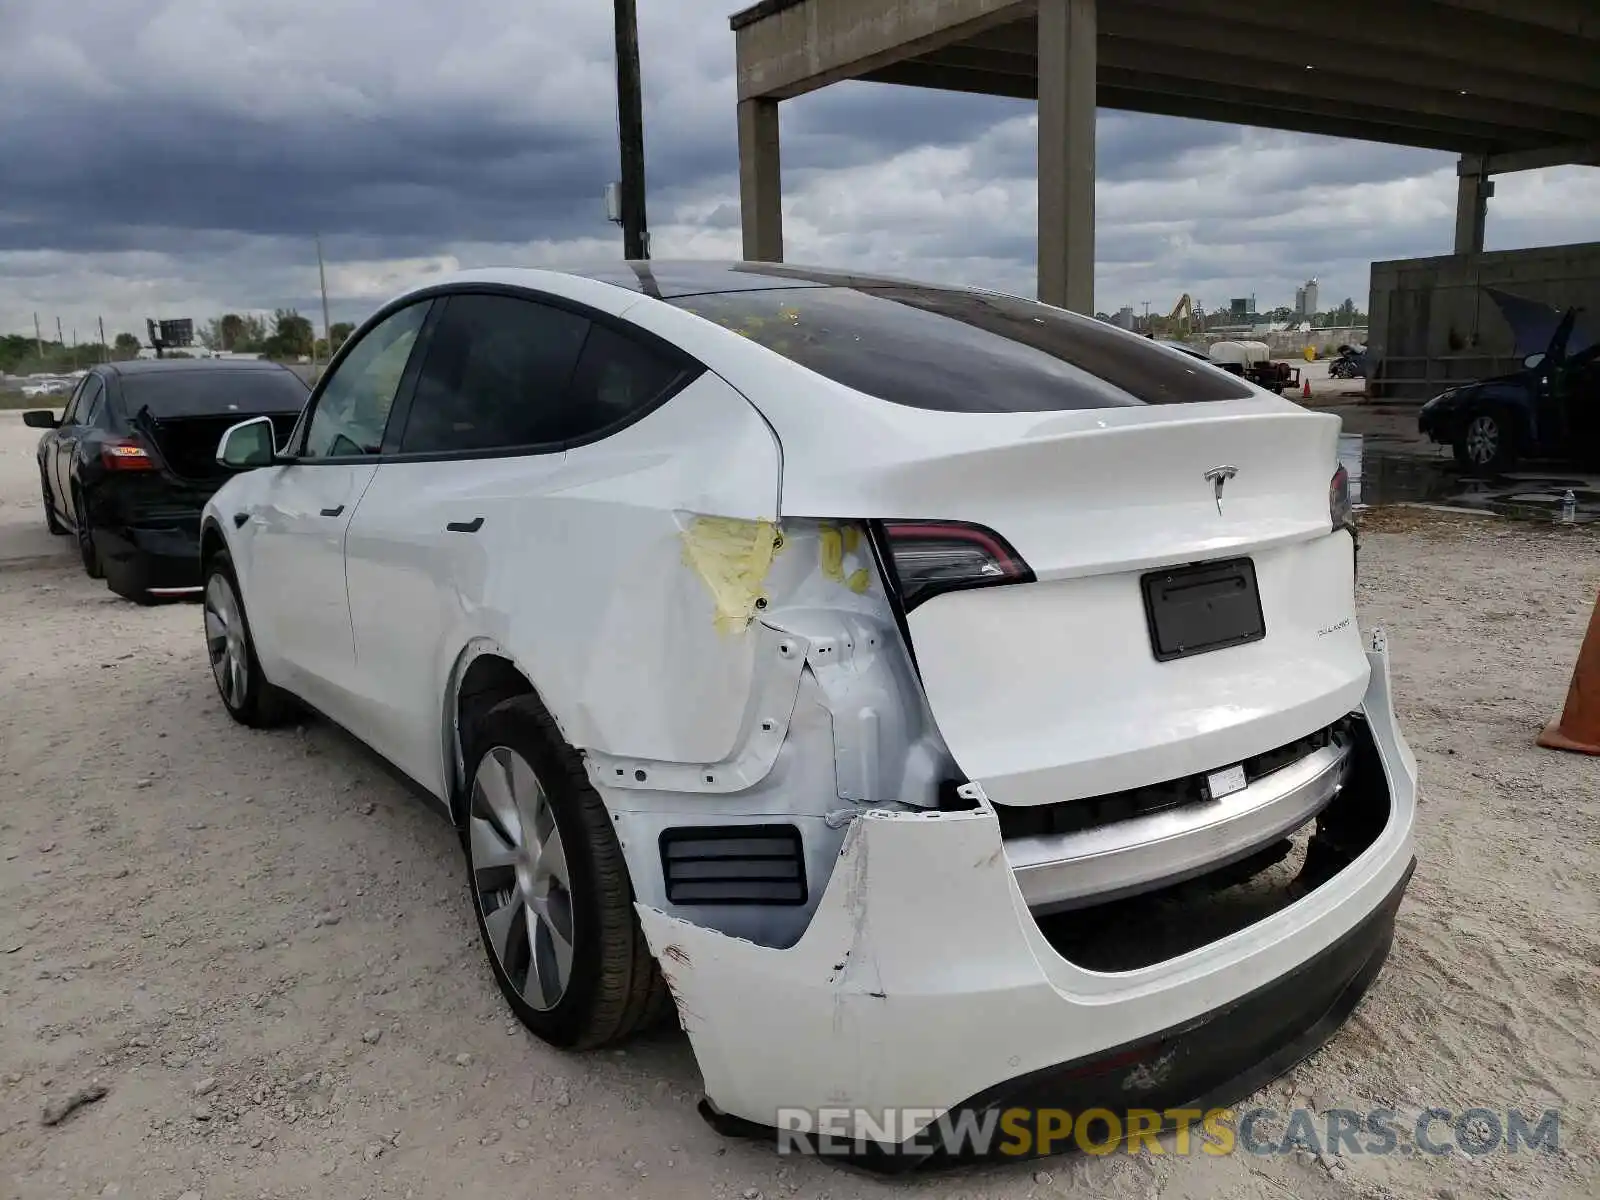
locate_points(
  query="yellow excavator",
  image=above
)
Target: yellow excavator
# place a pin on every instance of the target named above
(1185, 308)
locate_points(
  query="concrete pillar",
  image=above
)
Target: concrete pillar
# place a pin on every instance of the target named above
(760, 180)
(1067, 66)
(1472, 211)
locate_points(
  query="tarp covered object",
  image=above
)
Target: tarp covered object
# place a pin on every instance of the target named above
(1533, 323)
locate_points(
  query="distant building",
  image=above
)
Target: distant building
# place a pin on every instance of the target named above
(1305, 299)
(1124, 318)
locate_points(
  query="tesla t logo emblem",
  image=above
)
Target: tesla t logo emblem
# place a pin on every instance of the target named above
(1219, 476)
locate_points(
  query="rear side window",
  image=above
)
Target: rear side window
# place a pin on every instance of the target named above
(617, 378)
(503, 373)
(221, 393)
(959, 351)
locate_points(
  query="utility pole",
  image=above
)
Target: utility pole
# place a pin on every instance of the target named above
(327, 330)
(630, 129)
(105, 351)
(38, 339)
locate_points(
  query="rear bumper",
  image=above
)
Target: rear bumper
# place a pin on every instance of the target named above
(141, 559)
(924, 985)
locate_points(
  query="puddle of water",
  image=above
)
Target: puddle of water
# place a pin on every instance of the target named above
(1380, 476)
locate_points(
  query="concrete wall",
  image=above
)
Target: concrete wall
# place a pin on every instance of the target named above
(1432, 324)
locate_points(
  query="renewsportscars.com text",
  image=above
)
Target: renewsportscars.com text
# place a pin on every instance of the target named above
(1024, 1132)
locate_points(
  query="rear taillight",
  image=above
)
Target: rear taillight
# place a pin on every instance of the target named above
(930, 557)
(1339, 509)
(126, 454)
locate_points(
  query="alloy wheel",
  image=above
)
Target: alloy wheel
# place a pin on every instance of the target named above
(1483, 440)
(225, 642)
(520, 878)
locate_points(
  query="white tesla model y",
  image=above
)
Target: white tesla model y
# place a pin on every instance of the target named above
(830, 656)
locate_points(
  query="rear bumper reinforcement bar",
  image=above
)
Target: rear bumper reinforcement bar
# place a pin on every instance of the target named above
(1091, 866)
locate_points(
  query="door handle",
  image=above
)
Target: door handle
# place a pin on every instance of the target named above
(471, 526)
(333, 512)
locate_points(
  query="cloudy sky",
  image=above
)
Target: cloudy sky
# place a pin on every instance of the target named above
(174, 158)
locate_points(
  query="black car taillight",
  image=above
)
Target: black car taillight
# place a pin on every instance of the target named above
(930, 557)
(126, 454)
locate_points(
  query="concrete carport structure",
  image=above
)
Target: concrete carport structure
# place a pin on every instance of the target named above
(1508, 84)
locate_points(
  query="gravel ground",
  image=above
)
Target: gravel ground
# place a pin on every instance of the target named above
(260, 946)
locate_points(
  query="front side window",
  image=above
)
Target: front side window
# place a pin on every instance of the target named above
(353, 409)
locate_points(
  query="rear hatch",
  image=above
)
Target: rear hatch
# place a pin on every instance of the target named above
(1089, 609)
(1149, 635)
(187, 445)
(181, 414)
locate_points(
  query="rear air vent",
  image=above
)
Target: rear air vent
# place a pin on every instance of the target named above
(734, 864)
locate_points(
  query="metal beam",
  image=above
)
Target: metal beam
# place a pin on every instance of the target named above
(1472, 212)
(1407, 26)
(1571, 18)
(796, 49)
(1377, 61)
(1586, 154)
(1176, 96)
(997, 51)
(1296, 83)
(760, 181)
(1469, 135)
(1068, 83)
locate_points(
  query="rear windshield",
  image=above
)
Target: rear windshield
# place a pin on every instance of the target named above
(960, 351)
(213, 393)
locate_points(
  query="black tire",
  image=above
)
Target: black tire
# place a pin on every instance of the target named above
(1485, 441)
(613, 989)
(90, 556)
(51, 521)
(258, 703)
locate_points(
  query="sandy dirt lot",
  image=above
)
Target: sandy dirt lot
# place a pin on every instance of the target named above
(260, 944)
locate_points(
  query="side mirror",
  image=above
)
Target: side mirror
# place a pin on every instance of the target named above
(41, 418)
(1533, 361)
(248, 444)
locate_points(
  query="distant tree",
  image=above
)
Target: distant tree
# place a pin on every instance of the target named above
(230, 331)
(320, 352)
(340, 331)
(125, 346)
(292, 336)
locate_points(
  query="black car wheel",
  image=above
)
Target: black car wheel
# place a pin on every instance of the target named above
(1485, 443)
(245, 692)
(86, 548)
(549, 885)
(51, 521)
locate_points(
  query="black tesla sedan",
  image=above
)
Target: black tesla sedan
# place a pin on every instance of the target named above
(131, 461)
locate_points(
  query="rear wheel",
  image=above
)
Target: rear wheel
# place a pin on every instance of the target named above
(245, 692)
(1485, 443)
(51, 521)
(86, 548)
(549, 885)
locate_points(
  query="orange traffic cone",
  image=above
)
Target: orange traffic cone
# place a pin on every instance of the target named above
(1578, 727)
(1305, 388)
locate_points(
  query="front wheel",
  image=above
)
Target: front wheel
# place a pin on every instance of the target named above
(245, 692)
(51, 521)
(549, 885)
(1485, 443)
